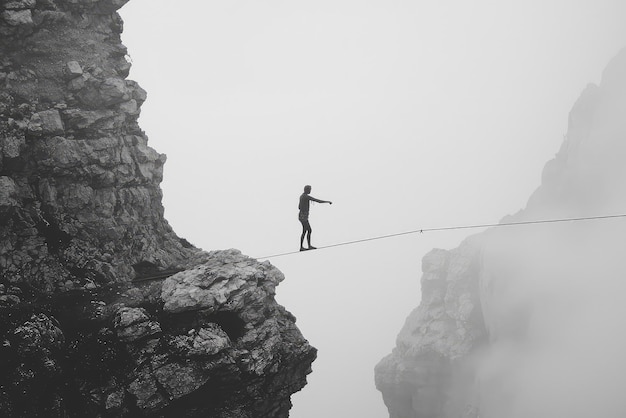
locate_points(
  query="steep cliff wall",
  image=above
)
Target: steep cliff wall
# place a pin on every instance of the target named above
(520, 322)
(81, 218)
(80, 200)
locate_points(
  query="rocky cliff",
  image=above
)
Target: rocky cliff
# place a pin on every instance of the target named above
(522, 321)
(81, 222)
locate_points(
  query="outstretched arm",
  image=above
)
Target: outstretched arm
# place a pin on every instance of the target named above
(319, 201)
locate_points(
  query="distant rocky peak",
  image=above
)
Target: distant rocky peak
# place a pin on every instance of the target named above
(511, 322)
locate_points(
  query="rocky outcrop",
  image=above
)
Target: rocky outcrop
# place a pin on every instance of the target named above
(504, 316)
(80, 200)
(81, 224)
(429, 362)
(210, 341)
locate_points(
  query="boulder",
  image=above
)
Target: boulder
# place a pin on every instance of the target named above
(8, 192)
(74, 69)
(113, 91)
(219, 284)
(47, 122)
(205, 341)
(18, 17)
(132, 324)
(20, 4)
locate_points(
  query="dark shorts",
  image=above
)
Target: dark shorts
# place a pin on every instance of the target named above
(304, 220)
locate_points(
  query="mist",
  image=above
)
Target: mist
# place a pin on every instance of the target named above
(553, 295)
(557, 346)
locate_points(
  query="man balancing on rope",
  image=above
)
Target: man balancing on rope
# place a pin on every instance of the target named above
(304, 216)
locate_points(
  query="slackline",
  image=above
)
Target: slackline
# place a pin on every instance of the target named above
(449, 228)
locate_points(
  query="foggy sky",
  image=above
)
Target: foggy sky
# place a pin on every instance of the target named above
(406, 114)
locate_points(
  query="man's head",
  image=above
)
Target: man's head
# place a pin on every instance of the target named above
(307, 189)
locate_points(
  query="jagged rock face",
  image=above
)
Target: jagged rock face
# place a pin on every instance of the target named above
(81, 215)
(504, 322)
(80, 202)
(427, 375)
(210, 341)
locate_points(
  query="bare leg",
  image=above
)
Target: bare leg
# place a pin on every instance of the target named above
(306, 231)
(309, 239)
(302, 239)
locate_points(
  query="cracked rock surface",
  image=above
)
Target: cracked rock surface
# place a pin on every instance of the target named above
(80, 201)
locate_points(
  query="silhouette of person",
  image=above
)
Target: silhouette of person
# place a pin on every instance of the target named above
(303, 216)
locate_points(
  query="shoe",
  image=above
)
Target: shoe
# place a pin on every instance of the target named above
(312, 247)
(303, 249)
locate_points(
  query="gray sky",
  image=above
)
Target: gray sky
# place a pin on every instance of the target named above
(406, 114)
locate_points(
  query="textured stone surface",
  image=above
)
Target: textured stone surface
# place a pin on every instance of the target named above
(132, 324)
(85, 184)
(8, 192)
(123, 355)
(217, 285)
(206, 341)
(81, 217)
(429, 358)
(503, 299)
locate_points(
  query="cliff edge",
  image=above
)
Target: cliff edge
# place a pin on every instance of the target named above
(82, 225)
(521, 321)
